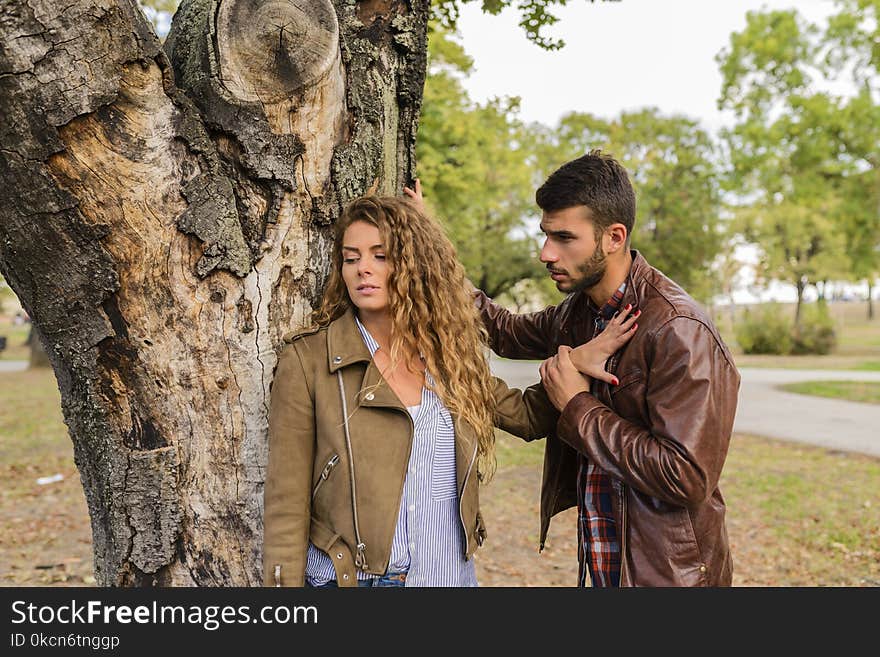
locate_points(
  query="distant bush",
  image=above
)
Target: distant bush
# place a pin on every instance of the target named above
(815, 334)
(769, 330)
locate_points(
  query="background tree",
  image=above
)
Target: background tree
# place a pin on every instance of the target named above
(796, 151)
(783, 150)
(474, 164)
(851, 53)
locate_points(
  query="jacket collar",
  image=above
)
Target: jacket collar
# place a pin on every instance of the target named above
(344, 343)
(637, 272)
(345, 347)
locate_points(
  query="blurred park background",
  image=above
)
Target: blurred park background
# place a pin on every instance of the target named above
(772, 222)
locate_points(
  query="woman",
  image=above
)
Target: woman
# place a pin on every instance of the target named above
(382, 415)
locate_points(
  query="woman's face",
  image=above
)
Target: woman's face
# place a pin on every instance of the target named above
(364, 268)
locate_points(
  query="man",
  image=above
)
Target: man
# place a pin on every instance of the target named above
(641, 459)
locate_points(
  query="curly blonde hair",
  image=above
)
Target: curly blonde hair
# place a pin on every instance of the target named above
(432, 310)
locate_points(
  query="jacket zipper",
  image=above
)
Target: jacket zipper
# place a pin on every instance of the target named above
(325, 473)
(611, 366)
(360, 560)
(467, 537)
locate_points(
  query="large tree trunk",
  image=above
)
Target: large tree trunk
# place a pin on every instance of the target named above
(165, 219)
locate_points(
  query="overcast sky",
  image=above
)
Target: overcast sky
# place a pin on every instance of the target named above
(618, 56)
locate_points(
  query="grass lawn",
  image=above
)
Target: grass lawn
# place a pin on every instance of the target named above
(796, 515)
(46, 538)
(859, 391)
(802, 516)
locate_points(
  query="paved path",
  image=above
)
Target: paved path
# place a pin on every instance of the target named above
(13, 365)
(765, 411)
(837, 424)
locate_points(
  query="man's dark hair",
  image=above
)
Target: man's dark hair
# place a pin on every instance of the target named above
(597, 181)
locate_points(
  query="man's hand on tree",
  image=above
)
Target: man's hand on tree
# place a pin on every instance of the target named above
(415, 195)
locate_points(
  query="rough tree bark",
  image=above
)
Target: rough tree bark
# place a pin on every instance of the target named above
(164, 219)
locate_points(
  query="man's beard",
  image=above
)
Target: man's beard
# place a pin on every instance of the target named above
(591, 272)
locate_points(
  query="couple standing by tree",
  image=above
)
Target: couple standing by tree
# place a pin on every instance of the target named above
(382, 412)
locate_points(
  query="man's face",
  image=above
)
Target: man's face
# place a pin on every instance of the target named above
(571, 253)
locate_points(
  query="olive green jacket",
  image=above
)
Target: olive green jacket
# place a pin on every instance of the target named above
(313, 470)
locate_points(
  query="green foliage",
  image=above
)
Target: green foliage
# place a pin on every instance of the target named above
(799, 241)
(534, 15)
(473, 162)
(766, 330)
(167, 6)
(814, 333)
(672, 163)
(769, 59)
(859, 132)
(159, 13)
(770, 330)
(852, 37)
(806, 163)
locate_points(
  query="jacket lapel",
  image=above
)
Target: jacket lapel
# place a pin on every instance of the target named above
(345, 347)
(636, 271)
(344, 343)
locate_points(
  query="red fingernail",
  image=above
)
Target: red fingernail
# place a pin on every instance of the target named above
(615, 382)
(638, 312)
(635, 326)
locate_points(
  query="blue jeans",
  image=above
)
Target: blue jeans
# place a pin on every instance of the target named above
(388, 579)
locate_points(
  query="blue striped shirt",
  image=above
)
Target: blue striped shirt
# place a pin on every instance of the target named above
(428, 542)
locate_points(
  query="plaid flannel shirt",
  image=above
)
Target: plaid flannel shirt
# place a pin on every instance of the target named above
(597, 527)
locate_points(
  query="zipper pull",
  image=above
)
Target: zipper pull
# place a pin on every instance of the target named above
(361, 560)
(330, 465)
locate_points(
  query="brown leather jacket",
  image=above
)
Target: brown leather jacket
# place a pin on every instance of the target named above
(663, 432)
(315, 470)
